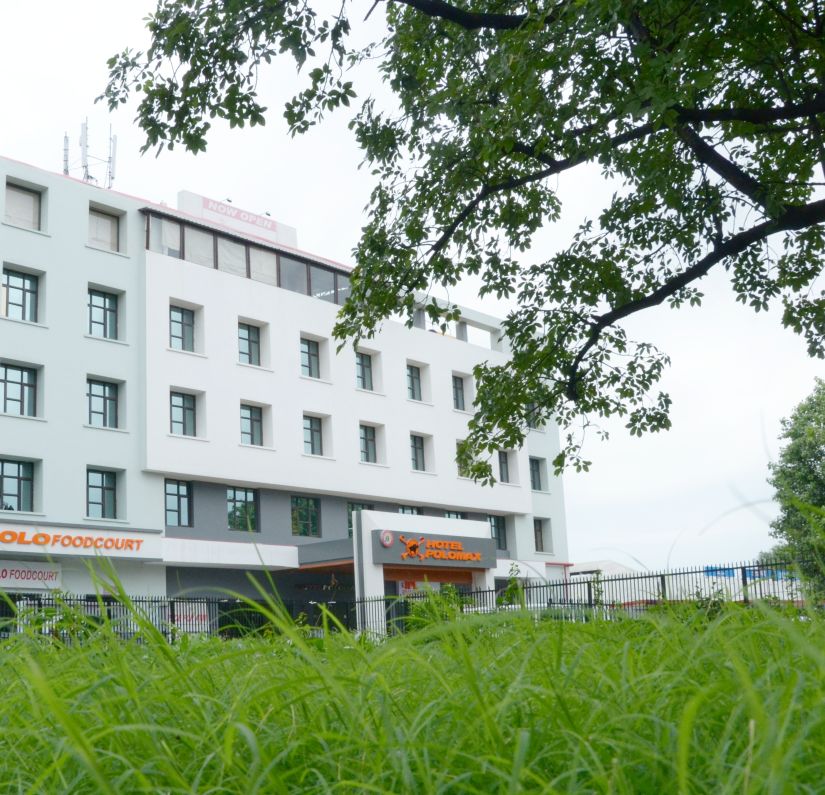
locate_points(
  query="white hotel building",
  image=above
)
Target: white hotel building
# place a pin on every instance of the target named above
(171, 400)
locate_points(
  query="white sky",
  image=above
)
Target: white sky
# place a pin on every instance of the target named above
(696, 494)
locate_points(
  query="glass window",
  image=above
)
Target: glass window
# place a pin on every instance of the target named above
(411, 510)
(18, 390)
(102, 397)
(241, 509)
(455, 515)
(104, 230)
(536, 476)
(293, 275)
(503, 466)
(310, 358)
(417, 452)
(22, 207)
(462, 471)
(363, 371)
(538, 534)
(356, 506)
(199, 246)
(368, 450)
(164, 236)
(533, 417)
(231, 256)
(263, 266)
(101, 494)
(249, 344)
(102, 314)
(18, 296)
(181, 329)
(182, 414)
(413, 382)
(498, 530)
(251, 425)
(178, 503)
(16, 485)
(306, 516)
(322, 283)
(458, 393)
(343, 287)
(313, 439)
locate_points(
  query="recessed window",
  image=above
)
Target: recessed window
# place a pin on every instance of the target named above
(411, 510)
(103, 308)
(241, 509)
(22, 207)
(181, 328)
(104, 230)
(178, 495)
(458, 393)
(101, 494)
(533, 416)
(351, 508)
(182, 414)
(102, 399)
(310, 358)
(413, 382)
(16, 485)
(18, 295)
(498, 530)
(455, 515)
(503, 466)
(537, 474)
(417, 452)
(306, 516)
(363, 371)
(541, 535)
(249, 344)
(165, 236)
(369, 452)
(18, 390)
(313, 437)
(462, 470)
(251, 425)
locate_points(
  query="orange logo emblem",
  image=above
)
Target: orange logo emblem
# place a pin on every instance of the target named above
(414, 548)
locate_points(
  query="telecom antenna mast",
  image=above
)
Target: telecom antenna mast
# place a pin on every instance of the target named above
(87, 162)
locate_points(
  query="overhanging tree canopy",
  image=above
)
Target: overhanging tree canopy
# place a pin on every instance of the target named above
(708, 115)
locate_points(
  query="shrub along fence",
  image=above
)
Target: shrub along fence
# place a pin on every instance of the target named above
(582, 597)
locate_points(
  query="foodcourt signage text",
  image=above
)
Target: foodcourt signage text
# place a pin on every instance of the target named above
(74, 542)
(389, 546)
(29, 575)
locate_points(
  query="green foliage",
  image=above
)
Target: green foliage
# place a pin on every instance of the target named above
(436, 607)
(707, 118)
(799, 479)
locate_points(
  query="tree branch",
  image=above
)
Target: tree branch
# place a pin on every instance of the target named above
(798, 110)
(469, 20)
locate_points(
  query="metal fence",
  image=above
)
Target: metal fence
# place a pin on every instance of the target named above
(578, 598)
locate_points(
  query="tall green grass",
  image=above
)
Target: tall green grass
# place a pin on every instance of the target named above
(489, 704)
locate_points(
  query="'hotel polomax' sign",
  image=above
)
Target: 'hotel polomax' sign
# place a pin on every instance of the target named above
(60, 541)
(414, 549)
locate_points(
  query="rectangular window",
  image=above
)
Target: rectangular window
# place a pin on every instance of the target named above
(178, 503)
(165, 236)
(462, 471)
(263, 266)
(455, 515)
(293, 275)
(322, 283)
(363, 371)
(417, 452)
(413, 382)
(368, 450)
(343, 288)
(16, 485)
(458, 393)
(536, 475)
(498, 530)
(538, 534)
(310, 358)
(241, 509)
(182, 414)
(104, 230)
(503, 466)
(181, 328)
(102, 314)
(252, 425)
(199, 247)
(18, 390)
(18, 296)
(22, 207)
(101, 494)
(533, 418)
(101, 397)
(411, 510)
(313, 439)
(249, 344)
(231, 256)
(306, 516)
(356, 506)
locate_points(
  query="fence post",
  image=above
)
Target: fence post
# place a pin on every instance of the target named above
(745, 585)
(663, 586)
(589, 594)
(172, 618)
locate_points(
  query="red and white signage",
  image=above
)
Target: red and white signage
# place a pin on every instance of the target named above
(26, 575)
(88, 543)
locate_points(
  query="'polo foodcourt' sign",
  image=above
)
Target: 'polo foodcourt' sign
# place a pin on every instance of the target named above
(27, 575)
(58, 541)
(414, 549)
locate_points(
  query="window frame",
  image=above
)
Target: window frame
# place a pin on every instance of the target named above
(417, 453)
(255, 433)
(356, 506)
(314, 426)
(23, 475)
(110, 320)
(232, 498)
(414, 382)
(536, 474)
(38, 194)
(369, 447)
(107, 487)
(310, 358)
(459, 393)
(186, 323)
(498, 530)
(305, 512)
(252, 341)
(363, 371)
(29, 295)
(96, 212)
(504, 466)
(538, 534)
(28, 391)
(110, 398)
(189, 410)
(181, 497)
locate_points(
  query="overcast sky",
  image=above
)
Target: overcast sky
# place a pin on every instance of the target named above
(696, 494)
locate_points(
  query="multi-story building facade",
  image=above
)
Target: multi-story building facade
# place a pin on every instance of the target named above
(172, 402)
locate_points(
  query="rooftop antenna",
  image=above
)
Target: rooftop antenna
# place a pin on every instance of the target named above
(84, 150)
(65, 153)
(110, 166)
